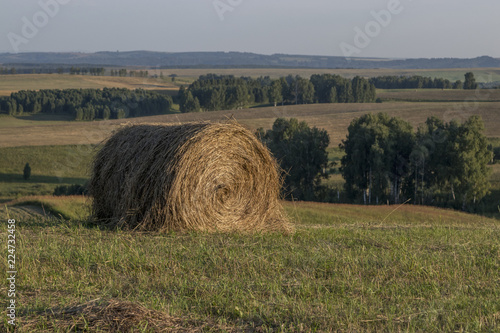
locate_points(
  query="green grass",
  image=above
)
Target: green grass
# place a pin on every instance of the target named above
(345, 269)
(65, 207)
(51, 166)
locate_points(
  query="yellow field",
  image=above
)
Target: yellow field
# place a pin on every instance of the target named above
(13, 83)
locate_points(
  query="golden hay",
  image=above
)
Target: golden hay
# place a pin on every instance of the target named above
(200, 176)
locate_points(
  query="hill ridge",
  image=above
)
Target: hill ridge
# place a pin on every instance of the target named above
(155, 59)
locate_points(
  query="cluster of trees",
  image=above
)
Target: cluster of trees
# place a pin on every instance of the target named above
(419, 82)
(441, 164)
(413, 82)
(337, 89)
(87, 104)
(6, 71)
(123, 72)
(301, 152)
(217, 92)
(95, 71)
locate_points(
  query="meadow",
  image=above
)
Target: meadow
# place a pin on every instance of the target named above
(346, 268)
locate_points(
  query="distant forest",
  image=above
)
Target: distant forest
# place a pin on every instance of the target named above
(73, 70)
(218, 92)
(87, 104)
(234, 60)
(414, 82)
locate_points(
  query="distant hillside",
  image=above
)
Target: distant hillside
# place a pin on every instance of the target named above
(235, 59)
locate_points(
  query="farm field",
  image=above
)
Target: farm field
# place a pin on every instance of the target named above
(335, 118)
(452, 74)
(13, 83)
(437, 95)
(347, 268)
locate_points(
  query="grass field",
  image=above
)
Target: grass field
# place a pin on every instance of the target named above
(347, 268)
(13, 83)
(335, 118)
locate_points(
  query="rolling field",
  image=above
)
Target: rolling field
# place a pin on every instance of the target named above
(347, 268)
(13, 83)
(335, 118)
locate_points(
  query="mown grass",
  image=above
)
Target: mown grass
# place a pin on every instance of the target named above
(347, 268)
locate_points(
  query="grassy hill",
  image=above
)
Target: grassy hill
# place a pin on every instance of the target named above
(347, 268)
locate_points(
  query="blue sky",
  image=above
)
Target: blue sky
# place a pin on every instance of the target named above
(415, 28)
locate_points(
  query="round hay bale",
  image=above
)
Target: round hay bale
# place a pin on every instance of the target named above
(201, 176)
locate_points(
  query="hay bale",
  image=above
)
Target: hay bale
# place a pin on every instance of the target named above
(201, 176)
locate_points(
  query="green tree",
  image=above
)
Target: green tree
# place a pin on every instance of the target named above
(190, 103)
(458, 84)
(274, 92)
(301, 152)
(27, 171)
(472, 154)
(376, 161)
(470, 81)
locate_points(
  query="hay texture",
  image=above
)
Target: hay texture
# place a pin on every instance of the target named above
(201, 176)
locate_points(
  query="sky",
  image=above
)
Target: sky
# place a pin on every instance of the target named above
(361, 28)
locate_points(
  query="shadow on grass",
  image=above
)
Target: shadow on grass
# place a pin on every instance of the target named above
(37, 179)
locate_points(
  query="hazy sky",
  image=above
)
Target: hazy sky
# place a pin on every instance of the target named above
(415, 28)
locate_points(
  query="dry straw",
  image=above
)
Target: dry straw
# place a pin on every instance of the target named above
(200, 176)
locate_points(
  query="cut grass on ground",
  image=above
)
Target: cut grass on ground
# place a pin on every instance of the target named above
(345, 269)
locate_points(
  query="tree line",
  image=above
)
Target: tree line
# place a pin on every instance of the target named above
(443, 164)
(87, 104)
(96, 71)
(386, 161)
(74, 70)
(218, 92)
(420, 82)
